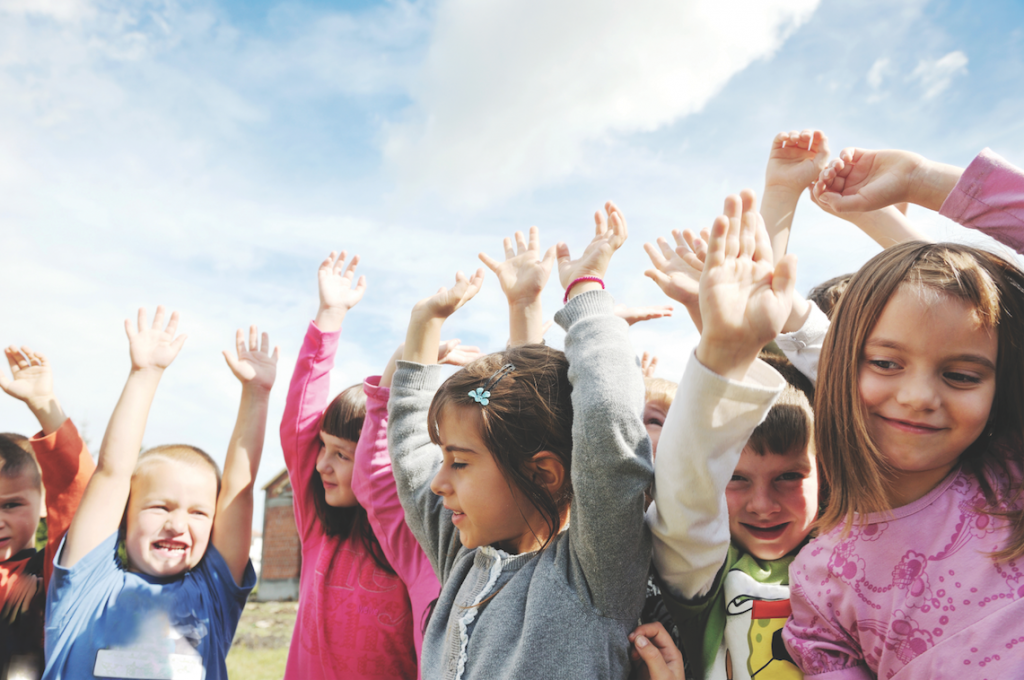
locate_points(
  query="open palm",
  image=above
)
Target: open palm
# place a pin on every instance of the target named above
(32, 377)
(254, 365)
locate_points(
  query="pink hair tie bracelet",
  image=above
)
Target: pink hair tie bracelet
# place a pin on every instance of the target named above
(575, 281)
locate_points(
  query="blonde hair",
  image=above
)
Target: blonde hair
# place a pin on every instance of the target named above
(660, 391)
(177, 453)
(855, 470)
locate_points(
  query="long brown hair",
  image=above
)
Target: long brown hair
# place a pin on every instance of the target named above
(855, 469)
(529, 410)
(343, 418)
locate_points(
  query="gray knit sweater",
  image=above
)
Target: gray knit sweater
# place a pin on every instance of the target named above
(565, 612)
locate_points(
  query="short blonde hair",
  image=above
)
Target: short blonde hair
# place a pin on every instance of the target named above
(660, 391)
(177, 453)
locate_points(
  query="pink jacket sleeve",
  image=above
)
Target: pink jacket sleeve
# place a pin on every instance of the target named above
(990, 198)
(300, 438)
(374, 487)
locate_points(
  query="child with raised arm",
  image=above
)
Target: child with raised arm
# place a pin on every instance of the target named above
(66, 467)
(172, 608)
(364, 584)
(735, 480)
(491, 466)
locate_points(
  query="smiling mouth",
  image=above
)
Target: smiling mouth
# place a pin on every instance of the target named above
(767, 533)
(910, 427)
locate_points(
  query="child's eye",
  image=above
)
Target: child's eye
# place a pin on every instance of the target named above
(458, 466)
(884, 364)
(790, 477)
(738, 478)
(655, 421)
(964, 379)
(12, 505)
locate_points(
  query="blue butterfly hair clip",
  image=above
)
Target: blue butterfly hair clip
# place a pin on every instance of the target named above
(482, 394)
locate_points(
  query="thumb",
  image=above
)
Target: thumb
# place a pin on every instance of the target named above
(549, 257)
(784, 278)
(232, 362)
(652, 658)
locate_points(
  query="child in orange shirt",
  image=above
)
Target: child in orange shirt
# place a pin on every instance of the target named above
(66, 467)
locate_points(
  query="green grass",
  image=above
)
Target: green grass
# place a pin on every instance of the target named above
(256, 664)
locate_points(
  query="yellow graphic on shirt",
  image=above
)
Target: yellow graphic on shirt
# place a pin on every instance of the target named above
(768, 658)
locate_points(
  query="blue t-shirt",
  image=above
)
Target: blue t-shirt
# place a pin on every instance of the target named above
(103, 621)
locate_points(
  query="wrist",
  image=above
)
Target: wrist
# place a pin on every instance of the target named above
(251, 390)
(731, 361)
(931, 182)
(781, 192)
(582, 284)
(41, 403)
(329, 319)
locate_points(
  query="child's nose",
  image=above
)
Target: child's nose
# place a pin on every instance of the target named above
(439, 484)
(919, 392)
(176, 522)
(762, 501)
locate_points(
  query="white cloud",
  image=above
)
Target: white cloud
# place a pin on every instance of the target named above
(936, 75)
(61, 10)
(512, 91)
(879, 70)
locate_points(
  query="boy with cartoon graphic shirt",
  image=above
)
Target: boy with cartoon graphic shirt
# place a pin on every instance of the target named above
(735, 499)
(61, 466)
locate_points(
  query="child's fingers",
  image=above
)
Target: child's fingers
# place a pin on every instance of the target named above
(748, 224)
(265, 343)
(716, 252)
(520, 243)
(158, 318)
(617, 220)
(361, 285)
(254, 338)
(239, 342)
(178, 343)
(549, 258)
(277, 353)
(784, 278)
(734, 215)
(762, 242)
(350, 271)
(510, 252)
(142, 318)
(491, 263)
(172, 325)
(534, 244)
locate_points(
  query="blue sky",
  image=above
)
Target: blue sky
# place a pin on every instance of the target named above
(208, 155)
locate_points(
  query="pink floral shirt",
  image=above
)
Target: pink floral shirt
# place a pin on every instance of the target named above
(912, 592)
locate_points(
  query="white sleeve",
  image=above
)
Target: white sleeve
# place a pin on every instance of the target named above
(803, 347)
(705, 431)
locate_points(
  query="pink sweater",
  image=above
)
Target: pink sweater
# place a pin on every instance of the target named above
(374, 487)
(912, 593)
(354, 619)
(990, 198)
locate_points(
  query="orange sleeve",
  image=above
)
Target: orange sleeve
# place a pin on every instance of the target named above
(67, 467)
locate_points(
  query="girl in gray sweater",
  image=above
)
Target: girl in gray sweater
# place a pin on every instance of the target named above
(523, 479)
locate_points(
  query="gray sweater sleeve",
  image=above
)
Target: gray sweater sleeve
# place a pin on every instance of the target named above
(611, 457)
(415, 460)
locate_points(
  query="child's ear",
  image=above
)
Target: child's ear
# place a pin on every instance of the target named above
(547, 470)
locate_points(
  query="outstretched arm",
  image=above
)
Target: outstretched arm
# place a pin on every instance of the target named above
(32, 383)
(152, 349)
(677, 271)
(795, 161)
(256, 369)
(887, 226)
(523, 276)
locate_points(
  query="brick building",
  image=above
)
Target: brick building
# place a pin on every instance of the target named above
(282, 552)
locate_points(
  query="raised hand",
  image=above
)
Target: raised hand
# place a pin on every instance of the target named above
(648, 362)
(454, 353)
(522, 277)
(524, 273)
(795, 160)
(337, 295)
(150, 347)
(446, 301)
(254, 365)
(424, 334)
(609, 235)
(634, 315)
(861, 180)
(887, 226)
(677, 272)
(745, 299)
(32, 377)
